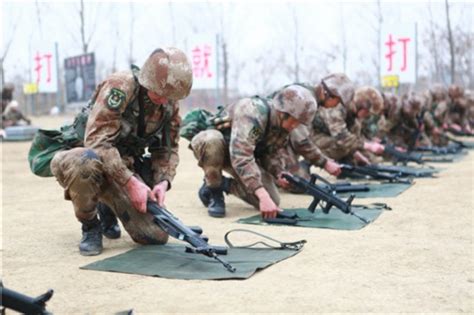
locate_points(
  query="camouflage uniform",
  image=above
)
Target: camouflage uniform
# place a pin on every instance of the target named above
(114, 144)
(409, 132)
(457, 107)
(250, 151)
(435, 116)
(12, 116)
(391, 115)
(332, 132)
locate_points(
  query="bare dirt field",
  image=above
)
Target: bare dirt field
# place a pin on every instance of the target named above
(416, 258)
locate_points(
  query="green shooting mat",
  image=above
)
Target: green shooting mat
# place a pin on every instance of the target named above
(382, 190)
(172, 262)
(335, 219)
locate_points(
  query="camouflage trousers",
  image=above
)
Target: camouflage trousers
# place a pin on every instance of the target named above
(331, 148)
(212, 153)
(80, 172)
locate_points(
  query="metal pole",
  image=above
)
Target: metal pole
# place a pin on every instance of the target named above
(416, 55)
(59, 105)
(218, 100)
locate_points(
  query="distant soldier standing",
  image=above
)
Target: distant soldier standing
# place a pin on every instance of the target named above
(248, 151)
(129, 112)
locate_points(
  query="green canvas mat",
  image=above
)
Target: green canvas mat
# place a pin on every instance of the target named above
(382, 190)
(335, 219)
(171, 261)
(445, 158)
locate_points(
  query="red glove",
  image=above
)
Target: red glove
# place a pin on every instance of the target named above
(159, 192)
(332, 168)
(138, 193)
(267, 207)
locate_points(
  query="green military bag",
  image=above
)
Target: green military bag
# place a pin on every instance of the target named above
(194, 122)
(47, 143)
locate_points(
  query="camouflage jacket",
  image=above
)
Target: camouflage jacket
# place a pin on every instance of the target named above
(301, 143)
(255, 137)
(112, 129)
(335, 122)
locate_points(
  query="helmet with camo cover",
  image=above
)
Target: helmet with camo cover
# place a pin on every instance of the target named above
(167, 72)
(438, 92)
(455, 91)
(339, 85)
(369, 98)
(297, 102)
(412, 104)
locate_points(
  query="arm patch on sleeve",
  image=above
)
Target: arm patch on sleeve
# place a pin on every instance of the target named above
(255, 133)
(116, 98)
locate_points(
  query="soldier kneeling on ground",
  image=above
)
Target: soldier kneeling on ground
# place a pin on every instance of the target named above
(247, 149)
(129, 112)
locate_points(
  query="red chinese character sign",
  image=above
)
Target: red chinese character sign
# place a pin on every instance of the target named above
(44, 71)
(203, 57)
(399, 53)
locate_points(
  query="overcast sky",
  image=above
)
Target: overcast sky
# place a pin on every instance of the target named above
(256, 31)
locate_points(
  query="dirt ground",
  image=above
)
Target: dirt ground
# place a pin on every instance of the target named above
(416, 258)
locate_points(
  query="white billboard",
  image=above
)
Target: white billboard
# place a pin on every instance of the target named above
(399, 53)
(44, 70)
(203, 56)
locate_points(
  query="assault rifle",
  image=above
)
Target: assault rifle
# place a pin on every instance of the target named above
(319, 194)
(364, 171)
(339, 188)
(449, 149)
(192, 235)
(402, 157)
(399, 171)
(24, 304)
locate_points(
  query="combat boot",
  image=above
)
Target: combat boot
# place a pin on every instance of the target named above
(108, 222)
(204, 194)
(216, 207)
(91, 242)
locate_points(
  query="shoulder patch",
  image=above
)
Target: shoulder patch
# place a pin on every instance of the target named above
(255, 133)
(116, 98)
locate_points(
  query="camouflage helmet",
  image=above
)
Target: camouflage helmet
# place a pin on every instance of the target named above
(455, 91)
(298, 102)
(412, 104)
(438, 92)
(338, 84)
(369, 98)
(167, 72)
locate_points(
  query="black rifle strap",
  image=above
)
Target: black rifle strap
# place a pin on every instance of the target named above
(282, 245)
(141, 113)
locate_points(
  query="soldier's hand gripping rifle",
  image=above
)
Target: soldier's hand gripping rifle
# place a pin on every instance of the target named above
(364, 171)
(319, 194)
(402, 157)
(25, 304)
(192, 235)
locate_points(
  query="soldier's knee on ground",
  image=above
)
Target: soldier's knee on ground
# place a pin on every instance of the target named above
(209, 147)
(157, 238)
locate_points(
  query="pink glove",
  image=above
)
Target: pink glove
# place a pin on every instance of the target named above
(374, 147)
(359, 157)
(332, 168)
(281, 182)
(267, 207)
(159, 192)
(138, 193)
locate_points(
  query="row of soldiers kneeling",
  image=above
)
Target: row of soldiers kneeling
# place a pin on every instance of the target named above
(107, 174)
